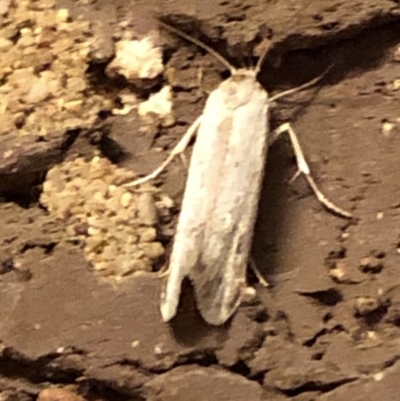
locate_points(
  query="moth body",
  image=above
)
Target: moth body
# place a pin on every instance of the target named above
(219, 208)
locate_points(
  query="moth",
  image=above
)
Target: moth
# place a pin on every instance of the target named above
(219, 208)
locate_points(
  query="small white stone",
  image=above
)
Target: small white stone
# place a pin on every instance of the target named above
(159, 103)
(62, 15)
(137, 59)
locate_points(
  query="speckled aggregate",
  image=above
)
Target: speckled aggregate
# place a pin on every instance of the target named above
(117, 226)
(43, 64)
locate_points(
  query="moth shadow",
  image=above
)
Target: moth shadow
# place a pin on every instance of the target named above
(188, 327)
(273, 204)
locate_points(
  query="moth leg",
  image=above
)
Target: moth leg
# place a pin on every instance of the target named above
(274, 135)
(199, 77)
(272, 139)
(177, 150)
(295, 176)
(163, 272)
(303, 168)
(257, 273)
(184, 161)
(248, 295)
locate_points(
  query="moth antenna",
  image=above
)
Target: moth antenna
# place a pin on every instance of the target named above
(200, 44)
(264, 55)
(302, 87)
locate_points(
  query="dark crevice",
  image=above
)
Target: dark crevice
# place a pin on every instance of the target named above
(258, 377)
(261, 316)
(316, 386)
(312, 341)
(94, 390)
(334, 256)
(70, 137)
(24, 186)
(329, 297)
(98, 79)
(391, 362)
(241, 369)
(47, 247)
(112, 150)
(14, 365)
(199, 357)
(136, 366)
(372, 318)
(27, 191)
(317, 356)
(45, 370)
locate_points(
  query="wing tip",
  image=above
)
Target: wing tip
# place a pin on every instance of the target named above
(168, 307)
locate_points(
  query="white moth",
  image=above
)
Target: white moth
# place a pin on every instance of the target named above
(214, 233)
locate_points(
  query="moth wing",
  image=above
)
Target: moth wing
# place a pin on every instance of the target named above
(214, 232)
(197, 203)
(220, 272)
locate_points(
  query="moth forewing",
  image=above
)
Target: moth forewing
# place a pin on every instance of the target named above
(219, 208)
